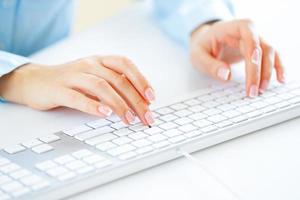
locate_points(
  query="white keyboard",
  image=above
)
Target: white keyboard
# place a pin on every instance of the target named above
(65, 163)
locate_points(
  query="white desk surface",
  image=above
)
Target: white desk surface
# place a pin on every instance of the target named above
(263, 165)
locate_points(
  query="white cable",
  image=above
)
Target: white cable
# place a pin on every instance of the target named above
(210, 173)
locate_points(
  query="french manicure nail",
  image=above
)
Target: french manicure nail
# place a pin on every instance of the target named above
(255, 59)
(264, 86)
(253, 91)
(223, 73)
(130, 117)
(149, 118)
(149, 93)
(282, 79)
(105, 110)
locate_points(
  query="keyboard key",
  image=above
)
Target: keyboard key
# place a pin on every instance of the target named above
(282, 104)
(255, 113)
(216, 118)
(239, 119)
(178, 106)
(141, 143)
(187, 128)
(20, 192)
(122, 140)
(9, 168)
(66, 176)
(224, 124)
(74, 165)
(231, 114)
(212, 111)
(57, 171)
(269, 109)
(168, 125)
(100, 139)
(20, 173)
(79, 129)
(202, 123)
(12, 186)
(119, 125)
(113, 118)
(183, 113)
(85, 170)
(137, 135)
(192, 102)
(98, 123)
(168, 117)
(128, 155)
(145, 150)
(164, 111)
(198, 116)
(161, 144)
(93, 159)
(193, 134)
(43, 166)
(183, 121)
(31, 180)
(103, 164)
(4, 161)
(4, 179)
(172, 133)
(226, 107)
(32, 143)
(64, 159)
(138, 127)
(197, 108)
(123, 132)
(121, 149)
(105, 146)
(82, 153)
(43, 148)
(153, 130)
(14, 149)
(157, 138)
(40, 185)
(209, 129)
(210, 104)
(49, 138)
(177, 139)
(245, 109)
(94, 133)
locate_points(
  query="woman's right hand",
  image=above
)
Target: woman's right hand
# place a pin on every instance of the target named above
(95, 85)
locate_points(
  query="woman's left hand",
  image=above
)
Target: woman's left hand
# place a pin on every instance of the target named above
(214, 47)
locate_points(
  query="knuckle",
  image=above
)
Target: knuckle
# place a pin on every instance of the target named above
(126, 62)
(247, 22)
(122, 81)
(100, 83)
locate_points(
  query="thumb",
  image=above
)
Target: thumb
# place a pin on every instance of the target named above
(211, 65)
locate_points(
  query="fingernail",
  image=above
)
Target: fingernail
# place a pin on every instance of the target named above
(255, 59)
(282, 78)
(223, 73)
(149, 118)
(105, 110)
(149, 93)
(130, 117)
(253, 91)
(264, 86)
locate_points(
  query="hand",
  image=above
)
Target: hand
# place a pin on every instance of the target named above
(214, 47)
(95, 85)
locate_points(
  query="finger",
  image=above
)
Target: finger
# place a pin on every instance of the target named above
(129, 93)
(125, 66)
(98, 87)
(252, 52)
(268, 61)
(75, 100)
(279, 69)
(218, 69)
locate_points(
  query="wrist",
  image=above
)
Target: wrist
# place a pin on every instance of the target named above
(12, 84)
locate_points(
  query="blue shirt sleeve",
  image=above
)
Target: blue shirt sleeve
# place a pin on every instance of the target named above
(9, 62)
(178, 18)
